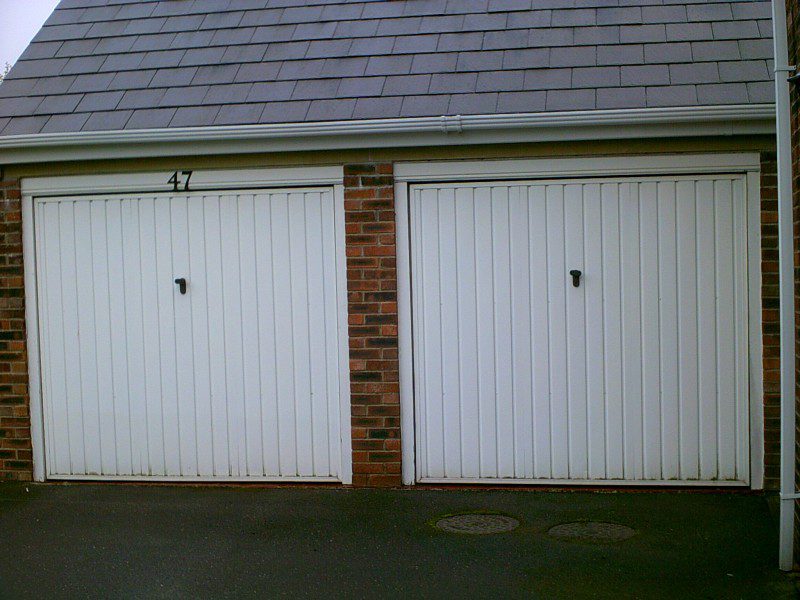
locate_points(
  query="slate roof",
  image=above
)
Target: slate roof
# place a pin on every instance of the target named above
(127, 64)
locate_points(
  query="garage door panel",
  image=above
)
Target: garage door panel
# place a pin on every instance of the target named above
(208, 384)
(638, 374)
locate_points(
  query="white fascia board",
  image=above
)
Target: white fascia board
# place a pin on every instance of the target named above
(405, 132)
(160, 181)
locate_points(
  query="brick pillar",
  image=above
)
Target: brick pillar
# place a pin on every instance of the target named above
(372, 309)
(16, 458)
(770, 319)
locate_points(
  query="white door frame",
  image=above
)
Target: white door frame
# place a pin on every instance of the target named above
(746, 163)
(44, 187)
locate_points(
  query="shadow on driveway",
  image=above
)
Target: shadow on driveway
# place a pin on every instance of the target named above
(151, 541)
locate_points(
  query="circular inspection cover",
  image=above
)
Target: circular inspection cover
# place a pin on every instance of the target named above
(477, 524)
(591, 531)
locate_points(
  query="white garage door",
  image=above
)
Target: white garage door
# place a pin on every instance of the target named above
(639, 373)
(240, 377)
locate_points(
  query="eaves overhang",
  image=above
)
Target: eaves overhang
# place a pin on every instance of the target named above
(724, 120)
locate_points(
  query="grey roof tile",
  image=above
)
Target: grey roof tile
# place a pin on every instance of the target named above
(184, 96)
(378, 108)
(23, 125)
(667, 53)
(194, 116)
(173, 77)
(607, 34)
(672, 95)
(65, 103)
(620, 55)
(99, 101)
(65, 123)
(355, 87)
(761, 92)
(727, 50)
(473, 104)
(315, 88)
(570, 99)
(453, 83)
(547, 79)
(239, 114)
(500, 81)
(573, 56)
(216, 74)
(176, 62)
(521, 102)
(406, 85)
(92, 83)
(107, 121)
(433, 63)
(227, 94)
(284, 112)
(331, 110)
(141, 98)
(644, 75)
(151, 118)
(596, 77)
(390, 65)
(722, 93)
(270, 91)
(744, 70)
(630, 97)
(481, 61)
(425, 105)
(735, 30)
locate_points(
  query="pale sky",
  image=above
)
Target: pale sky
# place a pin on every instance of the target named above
(21, 20)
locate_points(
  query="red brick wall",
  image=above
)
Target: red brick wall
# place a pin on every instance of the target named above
(372, 308)
(770, 319)
(16, 461)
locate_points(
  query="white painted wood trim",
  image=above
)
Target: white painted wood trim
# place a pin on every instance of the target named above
(213, 179)
(442, 130)
(75, 186)
(585, 482)
(346, 469)
(405, 339)
(212, 481)
(32, 332)
(755, 333)
(676, 164)
(748, 163)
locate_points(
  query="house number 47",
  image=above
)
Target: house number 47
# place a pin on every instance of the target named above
(177, 181)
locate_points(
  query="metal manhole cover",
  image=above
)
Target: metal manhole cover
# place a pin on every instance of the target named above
(477, 524)
(591, 531)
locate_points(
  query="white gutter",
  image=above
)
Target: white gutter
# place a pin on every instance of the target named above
(418, 131)
(786, 282)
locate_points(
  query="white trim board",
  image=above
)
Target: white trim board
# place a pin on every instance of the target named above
(455, 171)
(201, 179)
(725, 120)
(601, 166)
(55, 189)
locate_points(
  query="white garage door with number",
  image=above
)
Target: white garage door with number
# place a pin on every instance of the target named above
(240, 377)
(638, 373)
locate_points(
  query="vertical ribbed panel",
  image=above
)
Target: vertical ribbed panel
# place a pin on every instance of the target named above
(638, 374)
(236, 379)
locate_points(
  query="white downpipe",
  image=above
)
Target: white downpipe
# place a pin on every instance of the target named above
(786, 272)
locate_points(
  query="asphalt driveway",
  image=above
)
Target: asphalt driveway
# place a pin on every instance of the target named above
(122, 541)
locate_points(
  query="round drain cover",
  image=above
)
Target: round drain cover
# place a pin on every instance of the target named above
(477, 524)
(591, 531)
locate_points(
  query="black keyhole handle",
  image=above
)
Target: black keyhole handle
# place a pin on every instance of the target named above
(181, 281)
(576, 277)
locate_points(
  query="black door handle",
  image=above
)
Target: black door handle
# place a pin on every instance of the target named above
(576, 277)
(181, 284)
